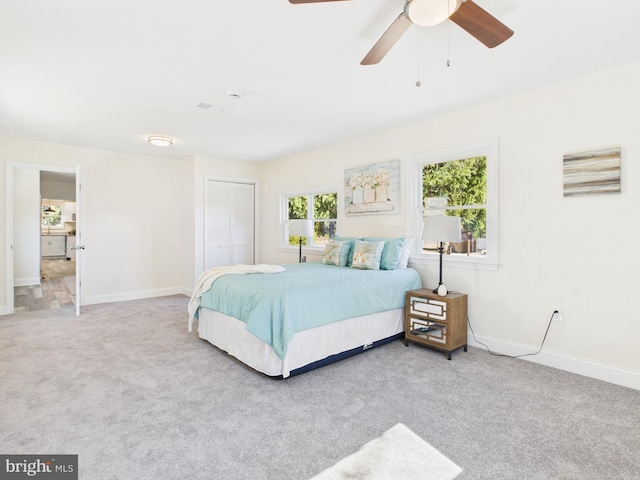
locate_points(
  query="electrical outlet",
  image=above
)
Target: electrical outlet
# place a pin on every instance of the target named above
(557, 314)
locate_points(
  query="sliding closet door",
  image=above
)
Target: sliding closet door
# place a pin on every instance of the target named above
(229, 224)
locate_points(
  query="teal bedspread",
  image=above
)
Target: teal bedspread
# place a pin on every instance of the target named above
(306, 295)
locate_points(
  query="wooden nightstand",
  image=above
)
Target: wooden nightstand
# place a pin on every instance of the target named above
(435, 321)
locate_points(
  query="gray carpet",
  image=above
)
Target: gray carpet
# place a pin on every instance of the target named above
(137, 397)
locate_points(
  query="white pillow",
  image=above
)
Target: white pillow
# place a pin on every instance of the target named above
(366, 255)
(406, 252)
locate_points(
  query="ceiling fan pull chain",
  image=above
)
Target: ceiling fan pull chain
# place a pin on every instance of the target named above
(449, 41)
(418, 83)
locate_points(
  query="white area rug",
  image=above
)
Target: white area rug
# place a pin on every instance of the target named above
(398, 454)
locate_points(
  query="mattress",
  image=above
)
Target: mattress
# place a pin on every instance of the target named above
(276, 307)
(309, 348)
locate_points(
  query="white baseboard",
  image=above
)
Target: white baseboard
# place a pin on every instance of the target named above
(139, 295)
(123, 297)
(25, 282)
(581, 366)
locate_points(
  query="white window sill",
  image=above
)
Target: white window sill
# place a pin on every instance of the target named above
(462, 261)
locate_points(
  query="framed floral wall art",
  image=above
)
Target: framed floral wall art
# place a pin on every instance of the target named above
(373, 189)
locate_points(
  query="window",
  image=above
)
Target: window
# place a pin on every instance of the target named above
(319, 206)
(460, 182)
(51, 216)
(459, 188)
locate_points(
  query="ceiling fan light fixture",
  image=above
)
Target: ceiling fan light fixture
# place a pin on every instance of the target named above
(427, 13)
(160, 141)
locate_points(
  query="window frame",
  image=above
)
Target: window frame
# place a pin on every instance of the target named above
(52, 203)
(488, 149)
(284, 215)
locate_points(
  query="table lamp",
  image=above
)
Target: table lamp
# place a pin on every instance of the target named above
(300, 228)
(441, 229)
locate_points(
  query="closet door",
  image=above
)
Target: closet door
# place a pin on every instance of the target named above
(229, 224)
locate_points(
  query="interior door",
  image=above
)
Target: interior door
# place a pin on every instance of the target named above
(79, 242)
(229, 223)
(20, 196)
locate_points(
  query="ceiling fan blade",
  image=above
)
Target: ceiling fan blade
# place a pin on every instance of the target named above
(387, 40)
(481, 24)
(296, 2)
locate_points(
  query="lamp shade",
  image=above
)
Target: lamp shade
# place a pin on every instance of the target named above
(430, 12)
(441, 228)
(300, 228)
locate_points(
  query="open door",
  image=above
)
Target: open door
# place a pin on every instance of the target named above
(23, 245)
(79, 239)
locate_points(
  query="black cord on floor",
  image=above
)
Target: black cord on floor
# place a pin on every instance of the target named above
(512, 356)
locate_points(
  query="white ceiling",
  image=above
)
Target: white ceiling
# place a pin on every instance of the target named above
(107, 75)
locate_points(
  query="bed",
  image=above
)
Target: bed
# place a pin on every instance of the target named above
(288, 319)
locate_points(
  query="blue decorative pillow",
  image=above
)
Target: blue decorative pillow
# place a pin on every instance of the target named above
(391, 253)
(352, 243)
(336, 253)
(366, 255)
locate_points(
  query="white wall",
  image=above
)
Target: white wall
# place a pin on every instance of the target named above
(26, 231)
(131, 227)
(576, 253)
(132, 218)
(58, 191)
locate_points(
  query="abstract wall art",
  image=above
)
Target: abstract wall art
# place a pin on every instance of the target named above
(595, 172)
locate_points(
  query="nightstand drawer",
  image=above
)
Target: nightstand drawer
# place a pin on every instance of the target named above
(426, 331)
(427, 308)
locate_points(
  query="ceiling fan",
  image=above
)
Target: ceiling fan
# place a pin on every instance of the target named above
(465, 13)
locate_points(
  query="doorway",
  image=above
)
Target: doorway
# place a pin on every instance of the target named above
(42, 266)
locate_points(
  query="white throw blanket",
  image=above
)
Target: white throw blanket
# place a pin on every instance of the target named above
(209, 276)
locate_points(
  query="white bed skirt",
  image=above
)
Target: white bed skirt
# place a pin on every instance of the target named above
(229, 334)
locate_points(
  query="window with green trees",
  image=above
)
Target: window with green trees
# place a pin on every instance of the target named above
(459, 188)
(321, 207)
(51, 215)
(460, 181)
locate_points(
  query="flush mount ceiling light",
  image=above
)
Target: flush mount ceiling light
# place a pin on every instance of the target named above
(160, 141)
(430, 12)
